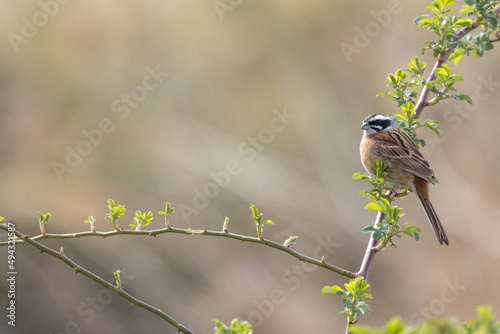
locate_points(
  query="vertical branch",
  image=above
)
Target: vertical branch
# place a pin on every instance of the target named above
(364, 270)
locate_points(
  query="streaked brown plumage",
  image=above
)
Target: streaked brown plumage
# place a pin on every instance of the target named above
(407, 168)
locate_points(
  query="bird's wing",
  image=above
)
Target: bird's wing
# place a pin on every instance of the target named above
(398, 147)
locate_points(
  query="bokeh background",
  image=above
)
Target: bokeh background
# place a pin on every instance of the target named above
(231, 70)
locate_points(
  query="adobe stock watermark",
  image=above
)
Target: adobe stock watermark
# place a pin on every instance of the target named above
(248, 150)
(436, 307)
(11, 274)
(30, 26)
(363, 37)
(292, 278)
(455, 115)
(224, 6)
(89, 309)
(121, 108)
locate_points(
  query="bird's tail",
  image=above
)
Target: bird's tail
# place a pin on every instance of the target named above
(430, 212)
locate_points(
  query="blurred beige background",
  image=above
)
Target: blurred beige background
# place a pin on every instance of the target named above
(181, 91)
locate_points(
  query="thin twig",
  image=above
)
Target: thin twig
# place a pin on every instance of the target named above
(79, 269)
(266, 242)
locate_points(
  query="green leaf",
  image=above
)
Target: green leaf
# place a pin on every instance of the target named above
(358, 176)
(373, 206)
(419, 19)
(369, 229)
(366, 296)
(462, 97)
(331, 289)
(255, 211)
(444, 70)
(111, 204)
(462, 23)
(414, 228)
(433, 125)
(363, 308)
(479, 52)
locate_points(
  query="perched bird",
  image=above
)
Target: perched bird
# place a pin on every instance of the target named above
(406, 167)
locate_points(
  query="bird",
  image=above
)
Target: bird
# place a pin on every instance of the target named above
(406, 167)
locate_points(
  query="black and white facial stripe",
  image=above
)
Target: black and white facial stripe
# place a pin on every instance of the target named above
(377, 123)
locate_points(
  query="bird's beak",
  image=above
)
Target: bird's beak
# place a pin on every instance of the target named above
(365, 126)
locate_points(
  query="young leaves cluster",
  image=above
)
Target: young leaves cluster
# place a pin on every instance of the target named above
(406, 120)
(115, 212)
(42, 220)
(443, 25)
(391, 225)
(444, 83)
(477, 13)
(141, 220)
(259, 224)
(377, 180)
(405, 89)
(91, 222)
(118, 279)
(236, 327)
(167, 213)
(291, 241)
(405, 85)
(356, 290)
(484, 16)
